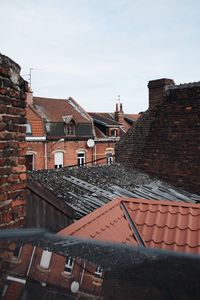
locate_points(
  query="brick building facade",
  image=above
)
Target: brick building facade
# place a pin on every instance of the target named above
(61, 133)
(165, 141)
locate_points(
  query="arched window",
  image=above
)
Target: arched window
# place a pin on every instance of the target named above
(58, 159)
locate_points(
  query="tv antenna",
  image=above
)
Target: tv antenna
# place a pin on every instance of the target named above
(30, 76)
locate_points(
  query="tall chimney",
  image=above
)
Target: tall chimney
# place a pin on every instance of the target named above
(119, 114)
(157, 89)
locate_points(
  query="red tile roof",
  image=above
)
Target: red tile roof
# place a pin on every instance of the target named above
(53, 110)
(161, 224)
(36, 122)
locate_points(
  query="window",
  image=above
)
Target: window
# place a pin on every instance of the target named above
(109, 159)
(17, 252)
(28, 129)
(29, 162)
(69, 263)
(58, 160)
(70, 129)
(45, 259)
(69, 125)
(99, 272)
(113, 132)
(81, 159)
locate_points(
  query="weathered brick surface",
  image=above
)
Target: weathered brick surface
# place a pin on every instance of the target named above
(165, 141)
(12, 132)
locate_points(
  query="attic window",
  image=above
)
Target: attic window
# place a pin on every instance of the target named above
(70, 128)
(113, 132)
(69, 125)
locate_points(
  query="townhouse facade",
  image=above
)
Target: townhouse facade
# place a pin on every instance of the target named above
(60, 133)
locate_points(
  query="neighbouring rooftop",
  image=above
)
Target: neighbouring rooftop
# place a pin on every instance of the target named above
(88, 188)
(164, 225)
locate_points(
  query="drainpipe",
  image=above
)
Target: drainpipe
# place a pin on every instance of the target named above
(45, 155)
(83, 271)
(31, 260)
(95, 154)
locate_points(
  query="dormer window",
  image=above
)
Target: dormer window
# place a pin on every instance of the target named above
(113, 132)
(70, 128)
(69, 125)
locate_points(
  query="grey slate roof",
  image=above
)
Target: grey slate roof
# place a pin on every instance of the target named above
(87, 188)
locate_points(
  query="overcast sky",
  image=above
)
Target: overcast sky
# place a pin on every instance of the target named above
(95, 50)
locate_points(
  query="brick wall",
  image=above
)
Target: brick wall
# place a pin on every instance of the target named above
(165, 141)
(12, 146)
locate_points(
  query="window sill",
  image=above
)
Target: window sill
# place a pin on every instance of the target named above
(43, 270)
(97, 281)
(67, 275)
(15, 260)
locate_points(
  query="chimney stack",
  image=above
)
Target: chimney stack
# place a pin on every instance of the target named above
(157, 90)
(119, 114)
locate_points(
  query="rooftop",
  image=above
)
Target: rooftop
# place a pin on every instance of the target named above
(53, 110)
(88, 188)
(159, 224)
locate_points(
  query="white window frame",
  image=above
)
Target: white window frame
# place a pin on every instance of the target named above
(28, 128)
(110, 159)
(99, 272)
(113, 132)
(69, 264)
(45, 259)
(58, 165)
(81, 158)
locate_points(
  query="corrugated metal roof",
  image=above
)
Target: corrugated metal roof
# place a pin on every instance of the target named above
(88, 188)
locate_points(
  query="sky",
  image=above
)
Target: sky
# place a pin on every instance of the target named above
(95, 50)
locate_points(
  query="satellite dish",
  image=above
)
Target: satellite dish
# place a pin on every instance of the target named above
(90, 143)
(74, 287)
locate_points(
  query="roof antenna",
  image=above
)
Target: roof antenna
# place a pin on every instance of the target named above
(30, 76)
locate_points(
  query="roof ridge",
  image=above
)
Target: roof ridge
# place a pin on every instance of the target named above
(163, 202)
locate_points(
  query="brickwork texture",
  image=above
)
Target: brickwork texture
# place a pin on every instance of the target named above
(12, 146)
(165, 141)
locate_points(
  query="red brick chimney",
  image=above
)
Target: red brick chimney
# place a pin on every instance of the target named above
(156, 90)
(119, 114)
(29, 97)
